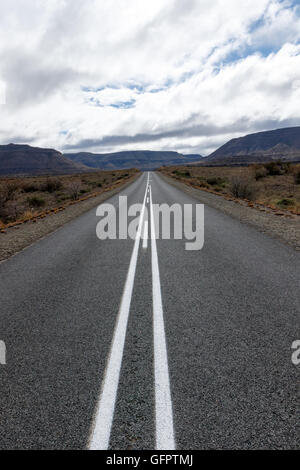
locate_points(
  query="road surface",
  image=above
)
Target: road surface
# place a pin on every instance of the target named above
(135, 344)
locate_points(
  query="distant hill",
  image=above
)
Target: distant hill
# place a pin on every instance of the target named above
(142, 159)
(27, 160)
(283, 144)
(193, 156)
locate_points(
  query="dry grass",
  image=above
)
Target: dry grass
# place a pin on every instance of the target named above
(28, 198)
(276, 186)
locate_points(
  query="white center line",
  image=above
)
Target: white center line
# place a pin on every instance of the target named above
(145, 235)
(100, 435)
(163, 404)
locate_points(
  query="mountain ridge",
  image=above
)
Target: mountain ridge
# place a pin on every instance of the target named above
(23, 159)
(142, 159)
(283, 144)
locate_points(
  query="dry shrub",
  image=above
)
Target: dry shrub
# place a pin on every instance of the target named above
(243, 187)
(260, 172)
(52, 185)
(36, 201)
(13, 210)
(31, 187)
(285, 202)
(74, 189)
(297, 176)
(29, 215)
(8, 191)
(8, 207)
(277, 168)
(215, 181)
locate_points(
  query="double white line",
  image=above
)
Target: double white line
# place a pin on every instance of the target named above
(103, 420)
(163, 403)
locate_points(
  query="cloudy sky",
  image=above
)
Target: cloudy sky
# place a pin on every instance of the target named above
(110, 75)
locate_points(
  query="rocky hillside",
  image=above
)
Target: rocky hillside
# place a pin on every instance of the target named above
(27, 160)
(283, 144)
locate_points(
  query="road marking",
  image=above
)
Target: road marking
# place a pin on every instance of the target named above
(163, 403)
(147, 200)
(145, 235)
(100, 435)
(2, 353)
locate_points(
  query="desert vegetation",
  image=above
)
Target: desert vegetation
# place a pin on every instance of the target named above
(26, 198)
(274, 184)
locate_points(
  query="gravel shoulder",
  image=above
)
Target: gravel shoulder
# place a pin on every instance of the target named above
(285, 227)
(15, 239)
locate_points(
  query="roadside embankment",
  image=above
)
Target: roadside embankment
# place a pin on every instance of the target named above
(281, 225)
(21, 234)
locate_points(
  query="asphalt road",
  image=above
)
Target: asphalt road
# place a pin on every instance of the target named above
(112, 344)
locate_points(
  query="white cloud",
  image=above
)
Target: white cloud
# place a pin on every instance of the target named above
(114, 75)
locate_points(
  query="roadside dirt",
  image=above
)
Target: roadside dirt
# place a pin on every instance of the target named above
(280, 225)
(16, 238)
